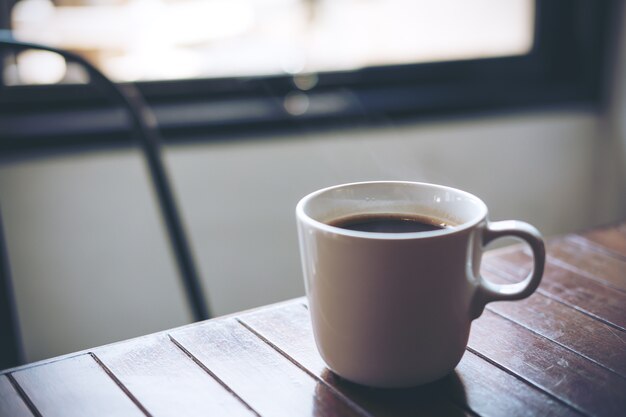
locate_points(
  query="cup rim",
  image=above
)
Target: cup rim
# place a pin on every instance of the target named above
(304, 217)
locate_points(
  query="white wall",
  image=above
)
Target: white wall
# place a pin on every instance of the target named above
(91, 264)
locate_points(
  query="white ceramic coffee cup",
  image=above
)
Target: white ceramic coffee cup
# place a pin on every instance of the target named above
(395, 309)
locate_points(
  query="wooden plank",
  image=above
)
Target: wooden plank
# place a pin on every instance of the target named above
(612, 238)
(291, 324)
(166, 381)
(264, 379)
(575, 254)
(567, 326)
(476, 384)
(490, 391)
(575, 380)
(585, 258)
(11, 404)
(74, 387)
(566, 286)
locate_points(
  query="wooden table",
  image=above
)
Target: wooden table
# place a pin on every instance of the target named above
(560, 352)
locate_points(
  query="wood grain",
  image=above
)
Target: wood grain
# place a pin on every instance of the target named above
(490, 391)
(611, 238)
(166, 381)
(591, 297)
(268, 382)
(476, 384)
(575, 380)
(11, 404)
(587, 259)
(565, 325)
(76, 386)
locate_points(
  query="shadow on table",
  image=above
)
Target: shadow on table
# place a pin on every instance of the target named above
(442, 397)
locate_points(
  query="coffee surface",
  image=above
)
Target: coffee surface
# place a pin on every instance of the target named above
(389, 223)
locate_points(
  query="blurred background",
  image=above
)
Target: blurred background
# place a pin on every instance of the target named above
(522, 103)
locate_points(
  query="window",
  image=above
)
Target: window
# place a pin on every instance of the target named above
(209, 67)
(138, 40)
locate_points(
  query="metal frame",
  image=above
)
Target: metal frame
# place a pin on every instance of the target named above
(566, 65)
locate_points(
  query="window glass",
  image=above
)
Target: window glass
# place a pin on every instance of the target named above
(132, 40)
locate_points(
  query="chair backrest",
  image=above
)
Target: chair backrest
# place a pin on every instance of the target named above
(147, 133)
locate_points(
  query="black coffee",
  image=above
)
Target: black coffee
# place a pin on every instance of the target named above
(389, 223)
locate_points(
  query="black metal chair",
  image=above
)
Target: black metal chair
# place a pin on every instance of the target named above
(146, 130)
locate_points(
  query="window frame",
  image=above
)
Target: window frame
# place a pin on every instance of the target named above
(565, 65)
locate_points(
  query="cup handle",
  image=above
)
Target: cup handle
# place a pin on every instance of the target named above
(488, 291)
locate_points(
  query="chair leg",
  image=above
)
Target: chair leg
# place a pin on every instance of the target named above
(11, 353)
(145, 127)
